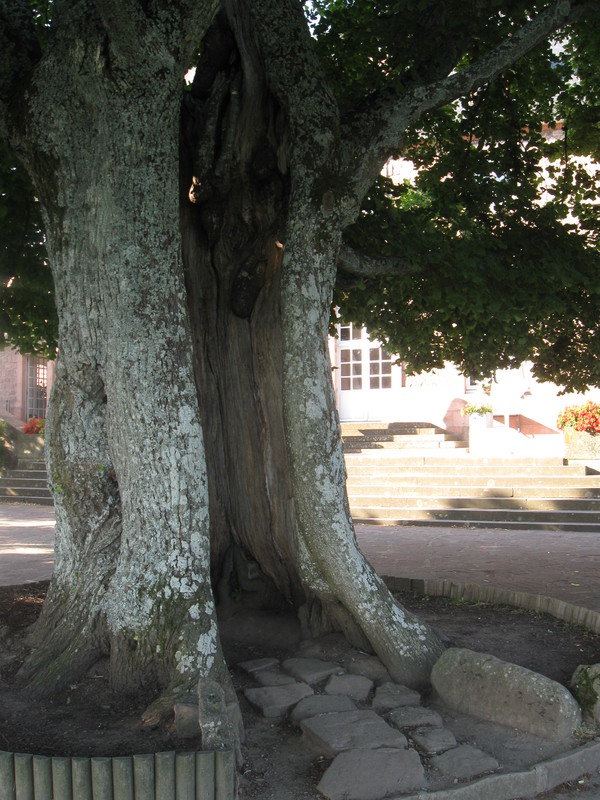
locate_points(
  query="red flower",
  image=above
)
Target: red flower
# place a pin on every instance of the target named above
(34, 425)
(585, 418)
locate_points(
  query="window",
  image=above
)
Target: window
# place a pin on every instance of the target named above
(351, 369)
(349, 333)
(37, 382)
(380, 369)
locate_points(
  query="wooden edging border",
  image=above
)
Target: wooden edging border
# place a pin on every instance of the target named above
(158, 776)
(490, 594)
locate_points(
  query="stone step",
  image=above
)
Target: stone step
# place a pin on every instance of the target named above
(571, 524)
(28, 464)
(36, 480)
(423, 444)
(403, 460)
(375, 490)
(24, 473)
(582, 521)
(413, 437)
(28, 483)
(42, 500)
(374, 428)
(404, 481)
(23, 492)
(391, 505)
(374, 435)
(391, 436)
(393, 479)
(379, 469)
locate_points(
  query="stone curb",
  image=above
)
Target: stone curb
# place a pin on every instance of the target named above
(490, 594)
(546, 775)
(542, 777)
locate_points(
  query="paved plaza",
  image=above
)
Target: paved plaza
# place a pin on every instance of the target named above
(26, 543)
(556, 564)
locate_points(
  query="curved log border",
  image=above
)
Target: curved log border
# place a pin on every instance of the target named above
(158, 776)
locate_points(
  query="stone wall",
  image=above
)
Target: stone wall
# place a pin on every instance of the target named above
(12, 388)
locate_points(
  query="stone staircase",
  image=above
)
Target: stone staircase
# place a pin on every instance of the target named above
(25, 480)
(26, 484)
(397, 481)
(405, 436)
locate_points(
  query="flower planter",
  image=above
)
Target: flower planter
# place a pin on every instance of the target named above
(162, 776)
(581, 446)
(29, 446)
(478, 425)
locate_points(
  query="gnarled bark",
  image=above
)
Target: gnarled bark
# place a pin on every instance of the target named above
(125, 447)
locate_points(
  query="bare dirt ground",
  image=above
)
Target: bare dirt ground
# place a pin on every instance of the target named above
(89, 719)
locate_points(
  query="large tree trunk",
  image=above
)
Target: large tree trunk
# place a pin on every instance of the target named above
(124, 443)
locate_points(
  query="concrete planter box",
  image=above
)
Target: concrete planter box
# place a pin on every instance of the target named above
(18, 446)
(478, 427)
(581, 446)
(160, 776)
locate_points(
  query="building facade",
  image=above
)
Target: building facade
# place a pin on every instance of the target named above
(371, 387)
(25, 383)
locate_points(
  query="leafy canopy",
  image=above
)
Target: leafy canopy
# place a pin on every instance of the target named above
(27, 311)
(489, 275)
(486, 274)
(28, 319)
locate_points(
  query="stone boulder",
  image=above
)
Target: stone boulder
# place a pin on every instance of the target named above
(486, 687)
(585, 685)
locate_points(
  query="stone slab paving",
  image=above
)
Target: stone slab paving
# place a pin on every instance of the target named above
(464, 761)
(392, 745)
(331, 734)
(258, 664)
(392, 695)
(272, 677)
(355, 686)
(310, 670)
(434, 740)
(370, 667)
(321, 704)
(275, 701)
(414, 717)
(372, 774)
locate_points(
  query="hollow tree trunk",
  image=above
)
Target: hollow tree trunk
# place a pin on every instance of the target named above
(261, 235)
(233, 196)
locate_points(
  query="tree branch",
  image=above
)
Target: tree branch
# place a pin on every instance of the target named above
(20, 50)
(375, 133)
(353, 264)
